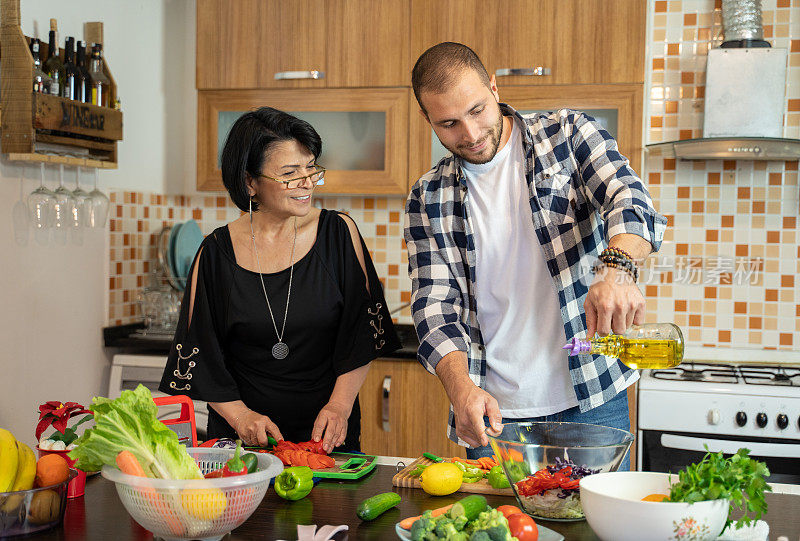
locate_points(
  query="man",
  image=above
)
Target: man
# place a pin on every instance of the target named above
(496, 235)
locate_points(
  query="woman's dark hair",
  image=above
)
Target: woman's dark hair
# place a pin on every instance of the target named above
(248, 143)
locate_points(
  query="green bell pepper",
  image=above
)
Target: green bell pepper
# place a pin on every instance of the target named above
(517, 471)
(294, 483)
(497, 478)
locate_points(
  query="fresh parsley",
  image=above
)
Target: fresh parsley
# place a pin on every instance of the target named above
(739, 479)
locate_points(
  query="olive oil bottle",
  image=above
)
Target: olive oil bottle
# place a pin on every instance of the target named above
(654, 345)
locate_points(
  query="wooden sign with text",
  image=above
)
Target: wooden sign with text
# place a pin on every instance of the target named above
(67, 116)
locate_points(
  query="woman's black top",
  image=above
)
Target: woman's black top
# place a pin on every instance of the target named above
(334, 325)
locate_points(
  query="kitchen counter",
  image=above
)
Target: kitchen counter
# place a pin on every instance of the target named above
(129, 339)
(100, 515)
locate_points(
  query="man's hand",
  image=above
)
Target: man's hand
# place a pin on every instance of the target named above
(470, 403)
(613, 303)
(332, 420)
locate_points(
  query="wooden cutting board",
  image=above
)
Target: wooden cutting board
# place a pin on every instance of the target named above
(404, 479)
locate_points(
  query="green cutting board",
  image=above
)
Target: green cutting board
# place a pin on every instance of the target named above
(348, 466)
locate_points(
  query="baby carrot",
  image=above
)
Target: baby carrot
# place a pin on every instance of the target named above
(406, 523)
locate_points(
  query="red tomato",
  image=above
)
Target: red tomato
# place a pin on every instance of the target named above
(523, 527)
(509, 510)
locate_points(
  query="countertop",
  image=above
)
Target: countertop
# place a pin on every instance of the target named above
(99, 514)
(129, 339)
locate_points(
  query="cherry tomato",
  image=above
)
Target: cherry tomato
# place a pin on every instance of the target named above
(523, 527)
(509, 510)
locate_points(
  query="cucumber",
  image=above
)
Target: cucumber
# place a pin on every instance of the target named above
(370, 508)
(469, 507)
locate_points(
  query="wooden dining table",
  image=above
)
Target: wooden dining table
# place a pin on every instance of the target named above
(99, 514)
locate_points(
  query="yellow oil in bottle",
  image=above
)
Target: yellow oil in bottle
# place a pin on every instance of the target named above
(640, 353)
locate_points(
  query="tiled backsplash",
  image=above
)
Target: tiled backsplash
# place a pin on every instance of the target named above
(727, 272)
(728, 268)
(137, 219)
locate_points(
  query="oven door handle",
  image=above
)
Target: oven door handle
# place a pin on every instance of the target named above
(769, 450)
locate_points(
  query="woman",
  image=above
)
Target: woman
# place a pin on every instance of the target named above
(283, 311)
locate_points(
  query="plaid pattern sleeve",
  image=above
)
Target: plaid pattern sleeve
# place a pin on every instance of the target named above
(436, 302)
(582, 193)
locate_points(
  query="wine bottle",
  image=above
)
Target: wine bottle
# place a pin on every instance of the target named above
(85, 90)
(41, 82)
(101, 85)
(653, 345)
(72, 77)
(53, 66)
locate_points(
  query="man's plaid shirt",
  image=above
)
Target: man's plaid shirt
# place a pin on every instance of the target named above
(582, 192)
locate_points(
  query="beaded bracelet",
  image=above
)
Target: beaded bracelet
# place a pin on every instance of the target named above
(628, 271)
(622, 262)
(617, 251)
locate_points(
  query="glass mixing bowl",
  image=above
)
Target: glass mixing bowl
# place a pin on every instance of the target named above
(544, 462)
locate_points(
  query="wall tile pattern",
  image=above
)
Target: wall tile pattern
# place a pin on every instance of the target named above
(727, 272)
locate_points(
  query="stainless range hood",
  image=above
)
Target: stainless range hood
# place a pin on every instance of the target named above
(729, 148)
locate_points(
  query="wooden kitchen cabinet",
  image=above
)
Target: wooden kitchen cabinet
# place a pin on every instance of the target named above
(354, 43)
(415, 409)
(364, 134)
(579, 41)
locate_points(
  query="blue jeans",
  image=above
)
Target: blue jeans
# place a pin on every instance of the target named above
(613, 413)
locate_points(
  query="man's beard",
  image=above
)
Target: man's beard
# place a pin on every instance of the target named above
(492, 137)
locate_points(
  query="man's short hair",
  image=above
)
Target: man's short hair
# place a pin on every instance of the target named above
(438, 67)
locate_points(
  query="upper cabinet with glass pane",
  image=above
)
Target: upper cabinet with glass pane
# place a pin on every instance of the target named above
(302, 43)
(364, 134)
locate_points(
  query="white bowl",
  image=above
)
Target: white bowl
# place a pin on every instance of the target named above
(614, 509)
(204, 509)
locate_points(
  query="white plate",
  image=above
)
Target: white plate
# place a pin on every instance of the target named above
(545, 534)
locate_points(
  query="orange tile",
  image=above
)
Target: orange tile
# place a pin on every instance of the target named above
(695, 320)
(394, 217)
(687, 77)
(658, 64)
(773, 236)
(729, 165)
(369, 203)
(680, 305)
(785, 339)
(789, 222)
(669, 164)
(656, 121)
(743, 193)
(670, 220)
(775, 179)
(783, 4)
(787, 280)
(405, 296)
(713, 178)
(684, 192)
(726, 221)
(197, 214)
(739, 307)
(671, 107)
(724, 336)
(681, 249)
(758, 207)
(795, 46)
(710, 293)
(791, 165)
(661, 6)
(754, 323)
(712, 235)
(794, 105)
(380, 230)
(770, 295)
(654, 178)
(673, 49)
(684, 134)
(689, 19)
(699, 92)
(698, 206)
(394, 270)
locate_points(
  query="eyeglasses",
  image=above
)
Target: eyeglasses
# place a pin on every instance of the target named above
(317, 177)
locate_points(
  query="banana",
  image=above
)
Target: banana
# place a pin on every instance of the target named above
(9, 460)
(26, 472)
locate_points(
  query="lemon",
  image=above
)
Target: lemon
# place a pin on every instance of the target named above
(441, 479)
(204, 503)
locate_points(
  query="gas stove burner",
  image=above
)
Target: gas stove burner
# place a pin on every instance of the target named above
(722, 373)
(771, 375)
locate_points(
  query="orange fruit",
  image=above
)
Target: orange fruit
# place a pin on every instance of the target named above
(656, 498)
(51, 470)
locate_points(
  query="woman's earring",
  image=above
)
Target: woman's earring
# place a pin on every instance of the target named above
(250, 208)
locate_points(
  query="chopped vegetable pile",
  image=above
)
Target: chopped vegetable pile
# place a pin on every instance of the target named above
(470, 519)
(739, 479)
(564, 475)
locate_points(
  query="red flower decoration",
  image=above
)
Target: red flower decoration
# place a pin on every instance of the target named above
(57, 414)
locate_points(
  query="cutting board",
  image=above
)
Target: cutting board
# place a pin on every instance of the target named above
(404, 479)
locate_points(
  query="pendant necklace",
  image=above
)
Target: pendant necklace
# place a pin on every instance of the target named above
(280, 350)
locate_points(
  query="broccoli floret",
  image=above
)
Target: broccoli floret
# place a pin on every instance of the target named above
(480, 535)
(443, 524)
(494, 524)
(459, 522)
(499, 533)
(422, 526)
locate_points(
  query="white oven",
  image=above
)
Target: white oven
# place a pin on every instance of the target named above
(725, 407)
(128, 371)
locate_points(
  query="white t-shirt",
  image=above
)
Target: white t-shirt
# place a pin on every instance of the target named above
(518, 310)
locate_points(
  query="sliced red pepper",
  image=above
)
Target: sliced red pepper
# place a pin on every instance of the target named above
(216, 474)
(571, 484)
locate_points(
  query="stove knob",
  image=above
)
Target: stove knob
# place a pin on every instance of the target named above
(761, 420)
(741, 419)
(713, 417)
(783, 421)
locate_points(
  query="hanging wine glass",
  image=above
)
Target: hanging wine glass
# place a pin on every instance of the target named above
(41, 204)
(84, 200)
(99, 205)
(66, 206)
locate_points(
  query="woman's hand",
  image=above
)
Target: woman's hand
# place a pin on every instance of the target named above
(332, 422)
(254, 428)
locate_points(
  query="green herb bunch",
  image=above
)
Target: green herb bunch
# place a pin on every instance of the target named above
(739, 479)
